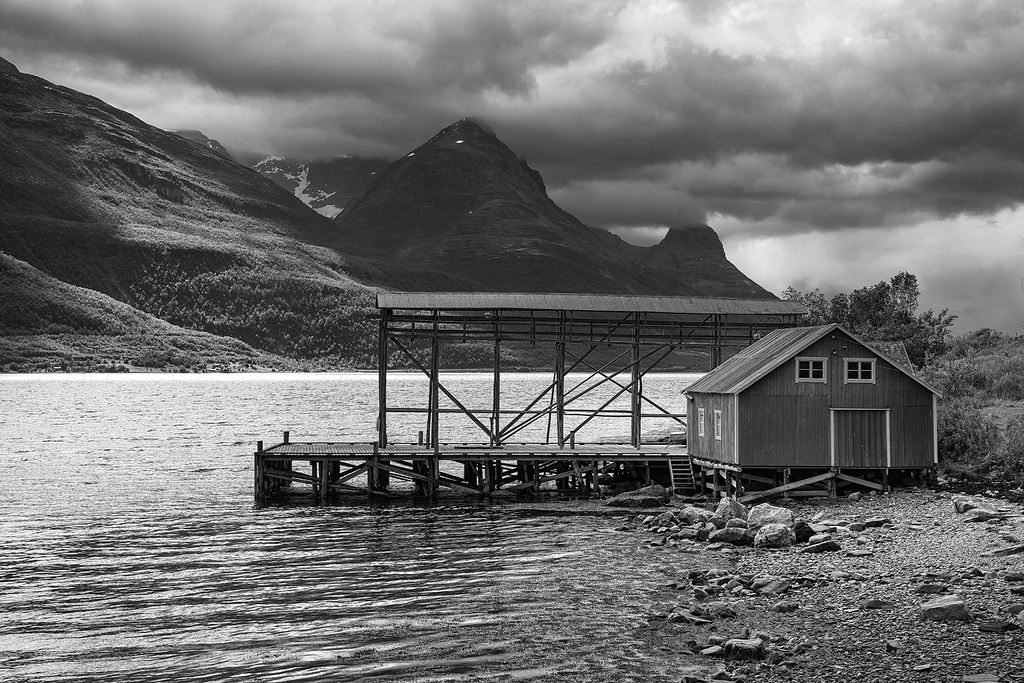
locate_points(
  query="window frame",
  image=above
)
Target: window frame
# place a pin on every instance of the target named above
(718, 425)
(811, 380)
(701, 431)
(860, 369)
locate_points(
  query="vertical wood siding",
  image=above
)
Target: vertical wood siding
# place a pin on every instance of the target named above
(723, 450)
(861, 438)
(783, 423)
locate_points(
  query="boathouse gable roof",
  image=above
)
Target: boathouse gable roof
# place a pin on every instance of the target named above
(756, 361)
(595, 303)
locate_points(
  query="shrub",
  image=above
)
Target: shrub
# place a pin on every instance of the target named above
(967, 439)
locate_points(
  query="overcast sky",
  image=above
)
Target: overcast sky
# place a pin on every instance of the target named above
(831, 144)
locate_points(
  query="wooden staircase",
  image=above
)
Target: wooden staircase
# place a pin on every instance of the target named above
(681, 473)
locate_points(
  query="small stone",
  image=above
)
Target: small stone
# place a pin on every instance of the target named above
(855, 496)
(931, 588)
(877, 522)
(946, 608)
(823, 547)
(775, 587)
(997, 626)
(784, 606)
(922, 667)
(744, 648)
(818, 538)
(876, 603)
(736, 523)
(1013, 576)
(713, 651)
(981, 678)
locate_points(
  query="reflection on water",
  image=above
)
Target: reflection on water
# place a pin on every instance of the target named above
(130, 550)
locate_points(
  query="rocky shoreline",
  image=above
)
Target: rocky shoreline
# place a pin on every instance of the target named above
(916, 585)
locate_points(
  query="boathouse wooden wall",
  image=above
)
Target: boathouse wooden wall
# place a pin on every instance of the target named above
(782, 423)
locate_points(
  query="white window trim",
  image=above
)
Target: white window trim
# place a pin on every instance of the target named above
(824, 370)
(718, 425)
(846, 371)
(700, 422)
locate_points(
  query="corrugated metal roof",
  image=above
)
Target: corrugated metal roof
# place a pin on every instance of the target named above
(757, 360)
(585, 302)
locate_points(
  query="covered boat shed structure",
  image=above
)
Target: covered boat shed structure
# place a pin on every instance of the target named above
(609, 342)
(807, 409)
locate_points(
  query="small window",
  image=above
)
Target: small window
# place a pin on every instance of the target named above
(718, 425)
(810, 369)
(860, 370)
(700, 422)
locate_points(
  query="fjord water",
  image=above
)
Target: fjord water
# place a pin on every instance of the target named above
(130, 549)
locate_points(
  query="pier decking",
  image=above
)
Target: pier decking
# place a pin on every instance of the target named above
(475, 469)
(615, 341)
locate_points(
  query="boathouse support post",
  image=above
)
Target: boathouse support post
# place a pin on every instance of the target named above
(324, 481)
(382, 379)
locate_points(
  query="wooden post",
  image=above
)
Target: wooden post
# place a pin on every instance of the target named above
(435, 384)
(496, 399)
(257, 472)
(372, 469)
(634, 385)
(786, 474)
(560, 392)
(324, 481)
(703, 481)
(382, 380)
(287, 436)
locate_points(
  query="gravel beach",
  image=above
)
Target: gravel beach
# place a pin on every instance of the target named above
(906, 588)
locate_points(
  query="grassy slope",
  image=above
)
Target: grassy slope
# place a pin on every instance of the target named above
(49, 324)
(96, 198)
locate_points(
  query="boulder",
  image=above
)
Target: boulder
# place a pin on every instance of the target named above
(818, 538)
(736, 523)
(946, 608)
(802, 530)
(964, 503)
(766, 513)
(729, 508)
(877, 522)
(982, 514)
(732, 535)
(647, 497)
(774, 536)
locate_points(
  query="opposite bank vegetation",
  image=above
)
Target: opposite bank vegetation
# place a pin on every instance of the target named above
(980, 374)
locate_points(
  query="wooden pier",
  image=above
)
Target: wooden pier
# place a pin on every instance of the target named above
(615, 341)
(473, 469)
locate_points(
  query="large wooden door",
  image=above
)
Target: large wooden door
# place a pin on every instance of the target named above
(860, 438)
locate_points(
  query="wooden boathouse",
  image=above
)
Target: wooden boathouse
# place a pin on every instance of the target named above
(806, 410)
(610, 343)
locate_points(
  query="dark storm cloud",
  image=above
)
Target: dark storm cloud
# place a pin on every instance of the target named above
(802, 116)
(383, 49)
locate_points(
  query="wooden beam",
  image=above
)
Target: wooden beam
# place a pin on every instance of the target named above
(756, 495)
(858, 480)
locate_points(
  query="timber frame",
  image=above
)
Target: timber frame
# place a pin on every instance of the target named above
(415, 328)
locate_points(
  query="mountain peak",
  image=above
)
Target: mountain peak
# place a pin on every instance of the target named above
(682, 239)
(8, 68)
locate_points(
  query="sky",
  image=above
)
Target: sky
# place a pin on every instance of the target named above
(832, 144)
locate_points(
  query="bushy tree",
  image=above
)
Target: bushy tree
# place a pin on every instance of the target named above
(886, 311)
